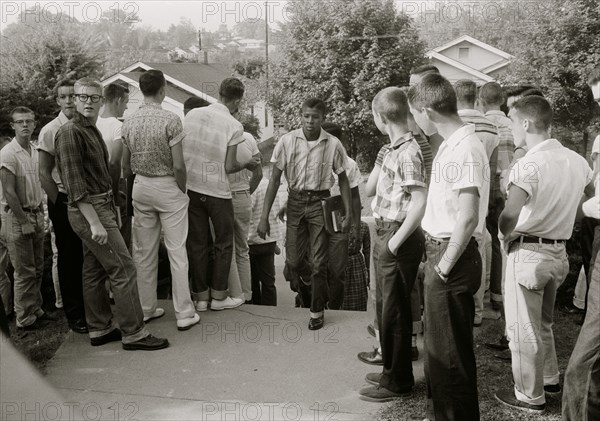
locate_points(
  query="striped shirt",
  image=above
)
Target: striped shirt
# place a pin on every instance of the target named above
(149, 135)
(309, 168)
(484, 129)
(402, 166)
(506, 143)
(209, 131)
(277, 231)
(46, 144)
(24, 166)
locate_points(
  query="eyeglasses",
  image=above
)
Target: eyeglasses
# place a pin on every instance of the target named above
(24, 122)
(85, 97)
(71, 97)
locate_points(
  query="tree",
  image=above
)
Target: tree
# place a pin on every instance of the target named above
(343, 56)
(183, 35)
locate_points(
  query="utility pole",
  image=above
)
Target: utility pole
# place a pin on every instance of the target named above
(266, 61)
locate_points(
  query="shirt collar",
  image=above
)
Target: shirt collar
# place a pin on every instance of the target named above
(469, 113)
(151, 104)
(460, 134)
(19, 148)
(406, 137)
(495, 112)
(546, 145)
(81, 119)
(62, 118)
(220, 106)
(322, 136)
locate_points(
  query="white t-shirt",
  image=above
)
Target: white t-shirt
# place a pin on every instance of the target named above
(110, 128)
(245, 151)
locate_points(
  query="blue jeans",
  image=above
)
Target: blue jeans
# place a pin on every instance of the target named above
(581, 395)
(110, 260)
(27, 257)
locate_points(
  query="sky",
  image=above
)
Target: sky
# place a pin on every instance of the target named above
(208, 15)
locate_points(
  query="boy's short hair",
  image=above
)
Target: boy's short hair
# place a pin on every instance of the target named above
(195, 102)
(232, 89)
(333, 129)
(114, 91)
(535, 108)
(435, 92)
(317, 103)
(517, 90)
(491, 94)
(594, 76)
(21, 110)
(532, 92)
(65, 82)
(89, 82)
(391, 103)
(151, 81)
(466, 91)
(426, 68)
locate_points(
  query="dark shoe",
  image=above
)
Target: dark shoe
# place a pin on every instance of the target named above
(507, 397)
(38, 324)
(78, 326)
(497, 305)
(373, 357)
(371, 330)
(580, 320)
(316, 323)
(380, 394)
(415, 353)
(504, 356)
(552, 389)
(48, 316)
(477, 324)
(149, 343)
(501, 345)
(373, 378)
(571, 309)
(113, 336)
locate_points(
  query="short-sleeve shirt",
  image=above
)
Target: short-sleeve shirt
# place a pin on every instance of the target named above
(149, 135)
(110, 128)
(353, 174)
(461, 163)
(240, 180)
(209, 131)
(506, 142)
(24, 166)
(309, 168)
(484, 129)
(554, 179)
(46, 144)
(277, 228)
(402, 167)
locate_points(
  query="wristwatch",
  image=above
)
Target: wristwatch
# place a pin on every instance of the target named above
(440, 273)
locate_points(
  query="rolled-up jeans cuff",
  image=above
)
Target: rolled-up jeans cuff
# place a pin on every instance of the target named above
(201, 296)
(496, 297)
(532, 401)
(101, 332)
(133, 337)
(218, 295)
(316, 314)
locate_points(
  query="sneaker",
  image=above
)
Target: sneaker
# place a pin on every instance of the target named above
(507, 397)
(159, 312)
(374, 357)
(373, 378)
(228, 302)
(380, 394)
(552, 389)
(112, 336)
(188, 322)
(148, 343)
(201, 305)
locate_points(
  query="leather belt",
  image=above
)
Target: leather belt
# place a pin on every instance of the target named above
(538, 240)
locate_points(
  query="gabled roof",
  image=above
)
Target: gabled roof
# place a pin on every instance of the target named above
(474, 41)
(476, 73)
(132, 78)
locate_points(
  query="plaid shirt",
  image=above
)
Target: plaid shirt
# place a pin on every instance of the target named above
(357, 272)
(82, 159)
(402, 166)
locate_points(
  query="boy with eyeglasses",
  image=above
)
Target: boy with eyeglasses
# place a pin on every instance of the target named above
(23, 219)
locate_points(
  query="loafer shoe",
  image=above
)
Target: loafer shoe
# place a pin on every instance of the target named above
(201, 305)
(112, 336)
(552, 389)
(316, 323)
(371, 330)
(188, 322)
(159, 312)
(501, 345)
(78, 326)
(380, 394)
(373, 378)
(507, 397)
(227, 303)
(373, 357)
(414, 353)
(149, 343)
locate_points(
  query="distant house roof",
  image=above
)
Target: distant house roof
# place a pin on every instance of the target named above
(476, 42)
(172, 91)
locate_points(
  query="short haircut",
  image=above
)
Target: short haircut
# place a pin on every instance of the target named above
(466, 91)
(114, 91)
(535, 108)
(151, 81)
(491, 93)
(391, 103)
(435, 92)
(21, 110)
(89, 82)
(317, 103)
(195, 102)
(594, 76)
(69, 83)
(517, 90)
(532, 92)
(333, 129)
(231, 89)
(426, 68)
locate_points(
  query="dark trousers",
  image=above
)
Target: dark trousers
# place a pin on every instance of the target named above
(336, 269)
(220, 212)
(496, 264)
(450, 369)
(588, 226)
(70, 259)
(306, 232)
(395, 277)
(4, 320)
(262, 268)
